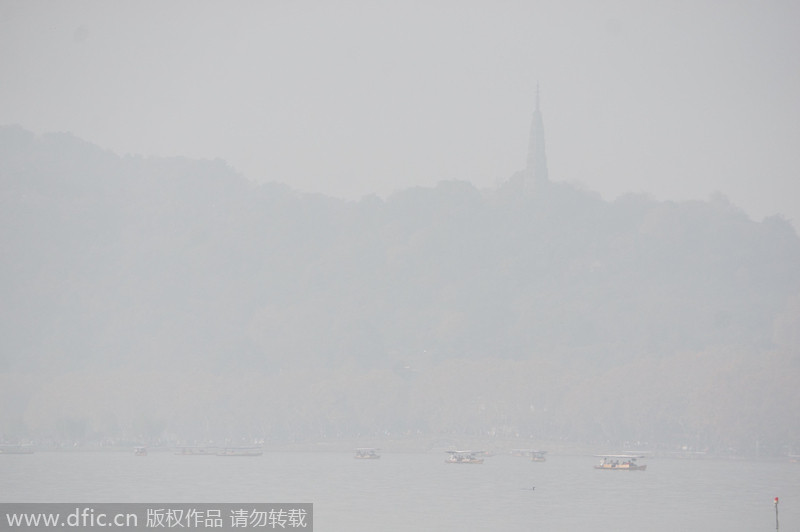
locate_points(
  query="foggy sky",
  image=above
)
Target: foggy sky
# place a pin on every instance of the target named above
(677, 99)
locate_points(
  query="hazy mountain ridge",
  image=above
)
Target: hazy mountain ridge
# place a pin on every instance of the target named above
(113, 263)
(190, 234)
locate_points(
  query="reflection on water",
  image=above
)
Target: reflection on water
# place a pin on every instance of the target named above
(421, 492)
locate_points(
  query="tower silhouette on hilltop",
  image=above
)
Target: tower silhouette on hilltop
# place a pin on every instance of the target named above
(535, 177)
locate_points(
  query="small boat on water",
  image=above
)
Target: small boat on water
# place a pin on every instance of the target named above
(140, 451)
(464, 457)
(16, 448)
(620, 462)
(367, 453)
(536, 455)
(240, 451)
(197, 450)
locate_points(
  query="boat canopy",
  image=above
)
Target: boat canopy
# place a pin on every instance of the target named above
(464, 452)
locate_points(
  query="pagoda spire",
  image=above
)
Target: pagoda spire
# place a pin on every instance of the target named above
(536, 169)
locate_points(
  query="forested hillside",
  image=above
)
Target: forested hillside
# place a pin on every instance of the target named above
(147, 298)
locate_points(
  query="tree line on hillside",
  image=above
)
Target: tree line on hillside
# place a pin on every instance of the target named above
(719, 401)
(114, 264)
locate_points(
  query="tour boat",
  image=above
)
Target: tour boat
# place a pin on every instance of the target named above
(464, 457)
(620, 462)
(16, 448)
(197, 450)
(536, 456)
(240, 451)
(367, 453)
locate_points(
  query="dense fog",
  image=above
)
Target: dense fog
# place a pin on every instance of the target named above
(165, 299)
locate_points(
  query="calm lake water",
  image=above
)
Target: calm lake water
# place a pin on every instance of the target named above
(422, 492)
